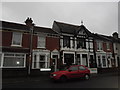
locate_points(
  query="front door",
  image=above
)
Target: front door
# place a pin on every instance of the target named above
(54, 61)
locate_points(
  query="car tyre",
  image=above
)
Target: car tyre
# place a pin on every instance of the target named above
(86, 77)
(63, 78)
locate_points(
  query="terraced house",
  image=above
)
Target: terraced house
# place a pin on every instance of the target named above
(76, 44)
(28, 49)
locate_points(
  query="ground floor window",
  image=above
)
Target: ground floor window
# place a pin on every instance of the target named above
(99, 61)
(104, 61)
(68, 58)
(78, 59)
(40, 61)
(11, 60)
(84, 59)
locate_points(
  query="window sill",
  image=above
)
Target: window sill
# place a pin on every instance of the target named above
(100, 50)
(14, 67)
(41, 47)
(16, 45)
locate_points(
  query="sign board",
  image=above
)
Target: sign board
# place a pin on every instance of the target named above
(93, 70)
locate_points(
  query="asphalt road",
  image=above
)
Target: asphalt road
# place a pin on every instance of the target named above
(109, 80)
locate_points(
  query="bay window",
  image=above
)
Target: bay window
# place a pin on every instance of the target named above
(40, 61)
(104, 61)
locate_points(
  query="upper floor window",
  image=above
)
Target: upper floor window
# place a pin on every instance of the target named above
(17, 39)
(81, 43)
(66, 41)
(99, 46)
(41, 42)
(108, 46)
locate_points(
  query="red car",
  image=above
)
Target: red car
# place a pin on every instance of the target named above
(75, 71)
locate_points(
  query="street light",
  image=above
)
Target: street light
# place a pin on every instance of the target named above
(30, 24)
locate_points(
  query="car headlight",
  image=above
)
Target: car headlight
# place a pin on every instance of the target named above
(54, 74)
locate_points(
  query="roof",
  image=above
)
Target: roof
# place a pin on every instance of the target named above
(106, 38)
(11, 25)
(101, 37)
(71, 29)
(66, 28)
(16, 26)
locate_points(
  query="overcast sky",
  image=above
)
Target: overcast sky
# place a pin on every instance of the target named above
(98, 17)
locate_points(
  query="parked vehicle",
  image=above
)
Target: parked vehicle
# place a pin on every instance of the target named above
(75, 71)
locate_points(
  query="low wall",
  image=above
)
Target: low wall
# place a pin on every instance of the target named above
(107, 70)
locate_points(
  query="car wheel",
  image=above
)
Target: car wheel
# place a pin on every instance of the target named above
(86, 77)
(63, 78)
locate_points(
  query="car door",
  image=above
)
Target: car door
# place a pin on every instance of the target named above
(82, 71)
(73, 72)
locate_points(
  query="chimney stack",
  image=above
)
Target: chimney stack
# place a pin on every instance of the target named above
(29, 22)
(115, 35)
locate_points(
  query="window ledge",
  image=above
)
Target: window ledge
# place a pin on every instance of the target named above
(41, 47)
(99, 50)
(13, 67)
(16, 45)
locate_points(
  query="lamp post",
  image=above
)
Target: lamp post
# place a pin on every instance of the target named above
(31, 26)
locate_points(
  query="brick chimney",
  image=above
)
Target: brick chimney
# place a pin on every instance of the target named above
(115, 35)
(29, 22)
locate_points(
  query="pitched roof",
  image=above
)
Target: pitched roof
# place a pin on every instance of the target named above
(71, 29)
(101, 37)
(66, 28)
(16, 26)
(106, 38)
(12, 25)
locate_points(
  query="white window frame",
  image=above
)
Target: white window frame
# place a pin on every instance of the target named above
(108, 46)
(2, 61)
(87, 62)
(99, 46)
(68, 53)
(44, 61)
(101, 60)
(39, 41)
(14, 38)
(105, 61)
(38, 60)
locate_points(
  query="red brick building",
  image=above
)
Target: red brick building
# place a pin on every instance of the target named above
(16, 48)
(28, 49)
